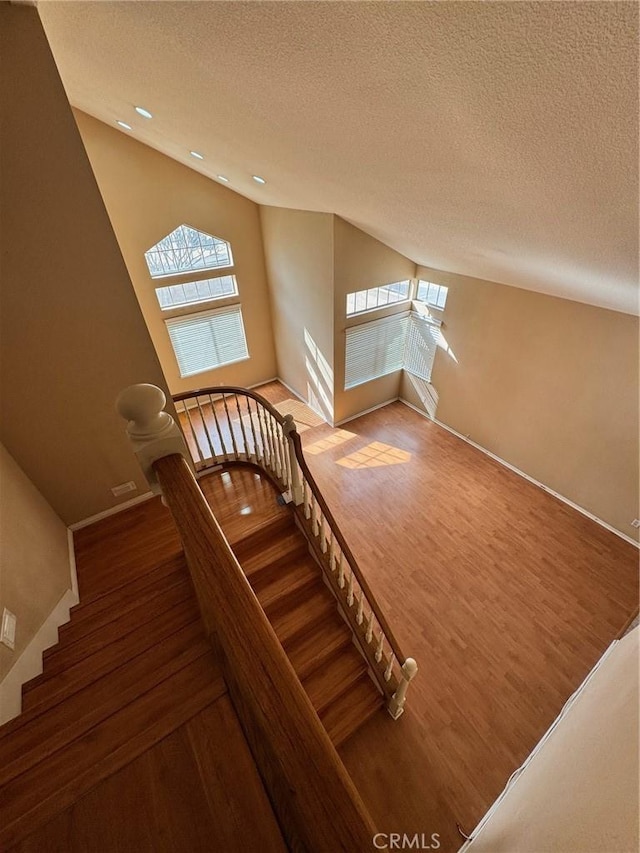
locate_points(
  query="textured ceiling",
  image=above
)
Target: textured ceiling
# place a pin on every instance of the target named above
(497, 139)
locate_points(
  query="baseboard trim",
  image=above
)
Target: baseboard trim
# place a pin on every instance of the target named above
(366, 411)
(520, 473)
(29, 664)
(78, 525)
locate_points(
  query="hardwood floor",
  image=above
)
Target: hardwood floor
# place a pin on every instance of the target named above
(505, 596)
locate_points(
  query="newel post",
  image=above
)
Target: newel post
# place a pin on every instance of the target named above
(288, 428)
(152, 431)
(396, 703)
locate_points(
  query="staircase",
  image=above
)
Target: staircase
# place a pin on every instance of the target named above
(133, 664)
(288, 584)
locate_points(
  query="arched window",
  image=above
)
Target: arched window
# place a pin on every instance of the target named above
(187, 250)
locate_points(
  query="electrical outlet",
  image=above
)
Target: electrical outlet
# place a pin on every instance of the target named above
(635, 522)
(8, 630)
(123, 488)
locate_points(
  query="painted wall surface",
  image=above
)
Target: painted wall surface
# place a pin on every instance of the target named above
(147, 196)
(299, 255)
(361, 262)
(72, 333)
(34, 556)
(547, 384)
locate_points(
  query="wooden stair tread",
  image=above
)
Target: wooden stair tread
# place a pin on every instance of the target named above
(53, 690)
(65, 722)
(335, 677)
(123, 601)
(310, 651)
(345, 716)
(52, 785)
(250, 538)
(64, 655)
(278, 550)
(317, 605)
(283, 586)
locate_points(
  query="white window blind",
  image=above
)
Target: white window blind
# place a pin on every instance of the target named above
(375, 349)
(208, 339)
(421, 345)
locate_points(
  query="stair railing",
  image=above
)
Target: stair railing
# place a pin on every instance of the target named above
(228, 425)
(315, 800)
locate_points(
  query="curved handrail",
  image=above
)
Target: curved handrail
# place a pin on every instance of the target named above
(282, 465)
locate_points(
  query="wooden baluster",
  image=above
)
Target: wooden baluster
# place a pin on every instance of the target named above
(350, 589)
(206, 430)
(194, 433)
(396, 703)
(379, 647)
(360, 613)
(223, 451)
(389, 669)
(341, 571)
(242, 430)
(369, 635)
(233, 438)
(256, 454)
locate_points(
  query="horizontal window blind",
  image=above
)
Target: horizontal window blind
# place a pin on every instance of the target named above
(422, 342)
(208, 339)
(375, 349)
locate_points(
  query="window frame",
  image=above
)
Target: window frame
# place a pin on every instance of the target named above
(379, 306)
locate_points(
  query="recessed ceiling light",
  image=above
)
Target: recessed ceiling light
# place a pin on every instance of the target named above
(258, 179)
(222, 178)
(124, 124)
(196, 155)
(144, 113)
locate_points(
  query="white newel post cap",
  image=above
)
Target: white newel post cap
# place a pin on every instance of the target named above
(142, 406)
(153, 432)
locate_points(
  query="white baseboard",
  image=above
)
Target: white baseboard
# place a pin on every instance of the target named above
(29, 664)
(367, 411)
(520, 473)
(111, 511)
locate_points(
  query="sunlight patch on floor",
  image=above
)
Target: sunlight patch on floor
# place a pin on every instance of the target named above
(375, 455)
(337, 437)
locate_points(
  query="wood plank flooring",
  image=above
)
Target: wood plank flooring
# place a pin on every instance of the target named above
(505, 596)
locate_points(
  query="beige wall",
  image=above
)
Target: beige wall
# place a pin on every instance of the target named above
(34, 556)
(361, 262)
(547, 384)
(299, 255)
(147, 195)
(72, 332)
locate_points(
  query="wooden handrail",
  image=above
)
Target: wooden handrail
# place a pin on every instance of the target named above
(316, 802)
(295, 438)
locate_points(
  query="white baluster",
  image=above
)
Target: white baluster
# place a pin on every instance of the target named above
(230, 425)
(379, 647)
(305, 498)
(242, 429)
(256, 451)
(314, 518)
(341, 571)
(206, 430)
(369, 635)
(153, 432)
(194, 433)
(396, 703)
(332, 552)
(323, 534)
(219, 431)
(389, 669)
(360, 613)
(350, 589)
(295, 486)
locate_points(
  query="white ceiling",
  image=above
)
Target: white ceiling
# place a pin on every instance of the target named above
(497, 139)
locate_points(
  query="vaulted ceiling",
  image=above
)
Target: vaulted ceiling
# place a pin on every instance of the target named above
(498, 139)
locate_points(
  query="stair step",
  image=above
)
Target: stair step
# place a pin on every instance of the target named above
(262, 533)
(54, 784)
(89, 618)
(318, 605)
(311, 651)
(351, 710)
(179, 601)
(285, 583)
(68, 721)
(53, 690)
(335, 677)
(277, 549)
